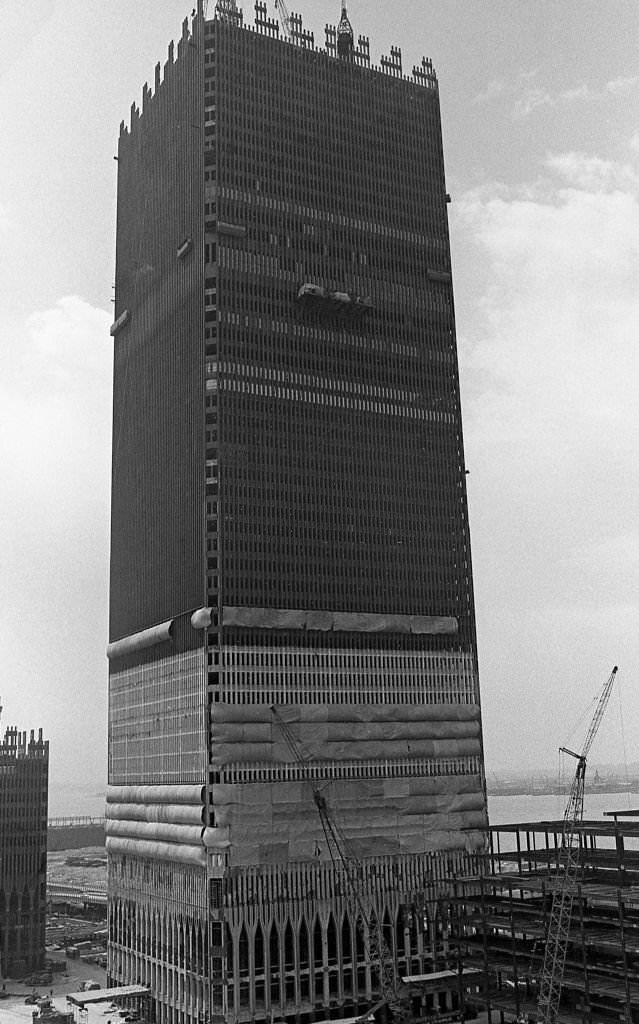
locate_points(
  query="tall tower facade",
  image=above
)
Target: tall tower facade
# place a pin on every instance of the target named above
(24, 799)
(289, 529)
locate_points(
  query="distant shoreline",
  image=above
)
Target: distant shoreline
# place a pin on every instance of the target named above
(522, 789)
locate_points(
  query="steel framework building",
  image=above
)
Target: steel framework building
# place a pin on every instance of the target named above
(501, 921)
(24, 772)
(289, 527)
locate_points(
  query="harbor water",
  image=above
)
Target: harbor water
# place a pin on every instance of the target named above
(504, 810)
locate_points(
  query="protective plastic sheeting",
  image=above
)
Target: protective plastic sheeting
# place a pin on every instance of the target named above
(168, 794)
(157, 820)
(201, 619)
(186, 835)
(156, 850)
(277, 822)
(330, 621)
(379, 816)
(292, 713)
(180, 814)
(250, 733)
(324, 750)
(139, 641)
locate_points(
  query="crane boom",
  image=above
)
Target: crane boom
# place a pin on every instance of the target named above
(599, 713)
(284, 16)
(565, 883)
(350, 869)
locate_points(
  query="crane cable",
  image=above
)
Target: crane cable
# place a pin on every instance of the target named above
(623, 747)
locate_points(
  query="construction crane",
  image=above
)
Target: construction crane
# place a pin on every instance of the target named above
(225, 10)
(565, 885)
(284, 16)
(348, 865)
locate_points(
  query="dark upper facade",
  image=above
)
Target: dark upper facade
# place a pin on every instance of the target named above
(273, 446)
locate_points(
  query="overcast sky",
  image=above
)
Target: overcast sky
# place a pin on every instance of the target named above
(541, 136)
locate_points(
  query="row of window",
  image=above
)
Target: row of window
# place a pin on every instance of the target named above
(236, 371)
(398, 310)
(332, 401)
(269, 209)
(330, 693)
(264, 336)
(385, 768)
(448, 665)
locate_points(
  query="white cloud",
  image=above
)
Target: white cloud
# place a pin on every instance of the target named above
(529, 97)
(54, 457)
(72, 339)
(622, 86)
(593, 173)
(494, 88)
(56, 397)
(532, 99)
(578, 92)
(550, 374)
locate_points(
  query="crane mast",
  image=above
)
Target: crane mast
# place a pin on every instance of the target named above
(284, 16)
(350, 869)
(565, 884)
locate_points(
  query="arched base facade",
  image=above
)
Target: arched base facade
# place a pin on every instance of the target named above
(280, 942)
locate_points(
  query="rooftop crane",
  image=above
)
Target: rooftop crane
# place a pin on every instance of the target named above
(284, 16)
(565, 884)
(225, 10)
(346, 863)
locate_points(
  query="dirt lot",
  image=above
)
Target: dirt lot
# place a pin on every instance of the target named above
(68, 981)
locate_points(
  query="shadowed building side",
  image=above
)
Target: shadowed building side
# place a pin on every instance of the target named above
(24, 795)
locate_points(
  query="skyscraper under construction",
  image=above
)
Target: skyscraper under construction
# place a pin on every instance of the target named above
(292, 614)
(24, 776)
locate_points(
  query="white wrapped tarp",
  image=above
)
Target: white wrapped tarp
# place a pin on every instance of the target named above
(186, 835)
(253, 854)
(427, 807)
(157, 820)
(216, 838)
(250, 733)
(158, 794)
(140, 641)
(150, 850)
(182, 814)
(202, 618)
(292, 713)
(336, 621)
(279, 821)
(324, 750)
